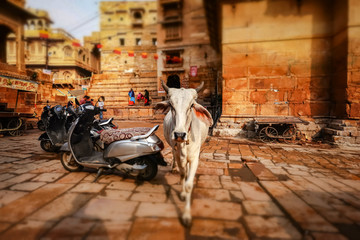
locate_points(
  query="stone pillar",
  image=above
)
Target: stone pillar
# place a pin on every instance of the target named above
(20, 48)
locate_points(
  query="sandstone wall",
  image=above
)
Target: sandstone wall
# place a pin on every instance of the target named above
(276, 58)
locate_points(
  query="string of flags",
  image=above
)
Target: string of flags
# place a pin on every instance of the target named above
(132, 54)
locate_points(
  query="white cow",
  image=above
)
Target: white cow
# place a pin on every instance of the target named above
(186, 127)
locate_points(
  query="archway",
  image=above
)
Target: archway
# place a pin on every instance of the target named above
(173, 81)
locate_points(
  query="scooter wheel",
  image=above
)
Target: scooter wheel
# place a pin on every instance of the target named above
(69, 163)
(150, 171)
(47, 146)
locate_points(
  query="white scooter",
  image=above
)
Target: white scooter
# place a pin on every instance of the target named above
(135, 153)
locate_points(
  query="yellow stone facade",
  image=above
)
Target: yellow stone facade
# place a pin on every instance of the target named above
(70, 65)
(126, 27)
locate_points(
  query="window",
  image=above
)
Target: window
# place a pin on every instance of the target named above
(138, 41)
(121, 19)
(154, 41)
(137, 15)
(122, 42)
(109, 19)
(173, 32)
(68, 51)
(173, 58)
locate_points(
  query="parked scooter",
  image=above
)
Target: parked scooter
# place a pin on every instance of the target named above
(41, 124)
(138, 156)
(54, 120)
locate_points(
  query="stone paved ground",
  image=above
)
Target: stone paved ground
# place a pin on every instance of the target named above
(243, 190)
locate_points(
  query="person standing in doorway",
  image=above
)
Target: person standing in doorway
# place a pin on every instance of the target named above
(132, 97)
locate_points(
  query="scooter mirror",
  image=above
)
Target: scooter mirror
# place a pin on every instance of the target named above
(77, 102)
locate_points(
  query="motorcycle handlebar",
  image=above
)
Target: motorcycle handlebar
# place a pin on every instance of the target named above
(102, 110)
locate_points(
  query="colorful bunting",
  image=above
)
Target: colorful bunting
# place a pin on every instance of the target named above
(156, 56)
(131, 53)
(117, 51)
(44, 34)
(144, 55)
(76, 43)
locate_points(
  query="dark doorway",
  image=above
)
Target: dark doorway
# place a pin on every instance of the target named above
(173, 81)
(4, 32)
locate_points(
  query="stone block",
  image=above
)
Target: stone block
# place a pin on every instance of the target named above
(215, 229)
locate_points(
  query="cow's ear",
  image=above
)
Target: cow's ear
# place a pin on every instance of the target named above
(203, 114)
(164, 106)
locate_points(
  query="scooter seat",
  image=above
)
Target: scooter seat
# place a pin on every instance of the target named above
(112, 135)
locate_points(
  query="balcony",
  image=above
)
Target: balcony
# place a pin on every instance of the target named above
(137, 23)
(167, 2)
(173, 62)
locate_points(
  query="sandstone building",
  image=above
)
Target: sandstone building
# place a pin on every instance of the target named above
(70, 64)
(19, 87)
(128, 42)
(288, 58)
(186, 57)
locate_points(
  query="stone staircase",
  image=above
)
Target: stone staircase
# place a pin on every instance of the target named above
(115, 88)
(343, 132)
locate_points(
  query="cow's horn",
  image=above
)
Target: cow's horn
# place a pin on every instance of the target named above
(200, 87)
(166, 88)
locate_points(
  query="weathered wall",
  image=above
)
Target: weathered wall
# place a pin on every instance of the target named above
(353, 88)
(193, 44)
(118, 21)
(276, 58)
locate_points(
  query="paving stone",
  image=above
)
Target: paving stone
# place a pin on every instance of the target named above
(208, 182)
(5, 184)
(148, 197)
(61, 207)
(115, 194)
(88, 187)
(152, 188)
(253, 191)
(28, 229)
(216, 210)
(261, 172)
(7, 196)
(306, 216)
(157, 228)
(66, 229)
(328, 236)
(271, 227)
(147, 209)
(27, 186)
(47, 177)
(237, 196)
(4, 226)
(27, 204)
(210, 171)
(214, 229)
(73, 177)
(108, 209)
(6, 176)
(21, 178)
(110, 230)
(264, 208)
(126, 186)
(216, 194)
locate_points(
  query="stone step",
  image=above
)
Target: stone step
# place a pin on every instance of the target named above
(347, 132)
(133, 113)
(336, 126)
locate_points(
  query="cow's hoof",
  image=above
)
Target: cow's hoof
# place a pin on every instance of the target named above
(186, 219)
